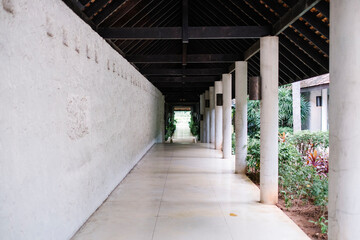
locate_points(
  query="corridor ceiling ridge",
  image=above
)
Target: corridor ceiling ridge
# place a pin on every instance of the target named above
(183, 46)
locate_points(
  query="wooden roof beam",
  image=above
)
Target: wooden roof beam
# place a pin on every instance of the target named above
(192, 58)
(177, 79)
(238, 32)
(183, 72)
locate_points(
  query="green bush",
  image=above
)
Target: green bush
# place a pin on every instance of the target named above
(253, 155)
(299, 181)
(296, 179)
(304, 139)
(233, 142)
(170, 127)
(253, 116)
(194, 125)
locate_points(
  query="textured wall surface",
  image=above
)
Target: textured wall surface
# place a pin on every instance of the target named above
(75, 117)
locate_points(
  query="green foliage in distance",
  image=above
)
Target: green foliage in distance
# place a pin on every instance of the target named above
(170, 127)
(194, 125)
(285, 111)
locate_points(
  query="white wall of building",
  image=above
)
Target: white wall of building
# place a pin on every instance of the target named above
(75, 117)
(315, 112)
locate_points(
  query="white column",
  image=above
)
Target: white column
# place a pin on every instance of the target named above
(344, 172)
(212, 114)
(202, 111)
(218, 117)
(296, 97)
(207, 118)
(240, 116)
(269, 72)
(226, 115)
(324, 110)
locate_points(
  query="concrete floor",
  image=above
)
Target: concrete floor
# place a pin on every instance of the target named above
(187, 192)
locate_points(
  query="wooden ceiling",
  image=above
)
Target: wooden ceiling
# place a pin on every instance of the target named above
(183, 46)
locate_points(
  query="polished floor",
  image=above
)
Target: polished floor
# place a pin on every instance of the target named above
(187, 192)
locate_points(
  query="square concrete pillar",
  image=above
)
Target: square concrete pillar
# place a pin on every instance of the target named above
(218, 115)
(296, 97)
(226, 115)
(212, 114)
(241, 116)
(202, 111)
(344, 169)
(269, 111)
(207, 117)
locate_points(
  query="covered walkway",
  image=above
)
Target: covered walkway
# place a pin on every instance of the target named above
(187, 191)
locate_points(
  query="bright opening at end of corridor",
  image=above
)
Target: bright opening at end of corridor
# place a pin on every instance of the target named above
(182, 119)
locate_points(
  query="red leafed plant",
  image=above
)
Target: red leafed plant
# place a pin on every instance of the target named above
(318, 160)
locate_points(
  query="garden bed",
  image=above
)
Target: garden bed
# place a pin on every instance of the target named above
(303, 181)
(300, 212)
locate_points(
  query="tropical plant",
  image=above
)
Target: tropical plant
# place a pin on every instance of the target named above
(194, 125)
(253, 116)
(303, 140)
(318, 160)
(286, 107)
(285, 111)
(170, 127)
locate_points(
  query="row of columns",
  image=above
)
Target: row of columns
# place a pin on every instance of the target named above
(344, 194)
(217, 127)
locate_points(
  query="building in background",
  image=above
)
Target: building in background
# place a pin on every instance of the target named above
(316, 91)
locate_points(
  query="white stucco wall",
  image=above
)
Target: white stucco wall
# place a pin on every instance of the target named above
(315, 112)
(75, 117)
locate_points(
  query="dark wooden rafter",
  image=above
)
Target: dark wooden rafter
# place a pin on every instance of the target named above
(300, 25)
(84, 2)
(181, 72)
(219, 18)
(317, 24)
(182, 85)
(95, 7)
(174, 33)
(308, 49)
(185, 30)
(312, 36)
(78, 8)
(291, 16)
(295, 63)
(284, 22)
(193, 58)
(324, 8)
(119, 13)
(144, 46)
(130, 14)
(192, 79)
(182, 47)
(108, 11)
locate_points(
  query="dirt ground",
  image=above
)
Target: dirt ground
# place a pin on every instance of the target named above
(300, 212)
